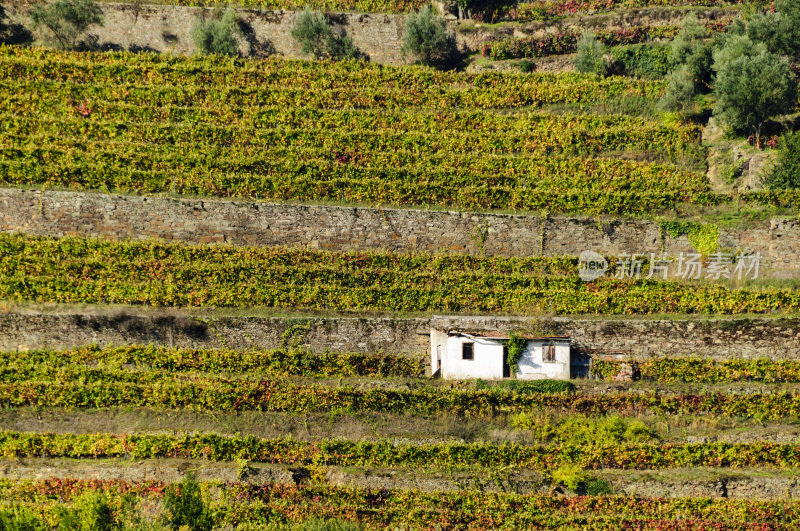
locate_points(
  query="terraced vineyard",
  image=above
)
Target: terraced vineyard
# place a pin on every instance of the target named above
(75, 270)
(246, 419)
(341, 132)
(554, 428)
(153, 384)
(248, 507)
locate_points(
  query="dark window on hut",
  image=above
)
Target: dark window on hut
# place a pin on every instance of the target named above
(467, 351)
(549, 353)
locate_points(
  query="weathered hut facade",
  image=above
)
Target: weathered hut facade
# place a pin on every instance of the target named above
(459, 354)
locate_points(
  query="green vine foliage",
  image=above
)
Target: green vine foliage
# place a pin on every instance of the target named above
(381, 453)
(703, 237)
(582, 430)
(295, 334)
(244, 505)
(89, 387)
(380, 136)
(73, 270)
(531, 387)
(516, 348)
(250, 363)
(669, 370)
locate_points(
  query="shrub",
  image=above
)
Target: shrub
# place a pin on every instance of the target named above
(786, 173)
(342, 47)
(317, 37)
(643, 60)
(66, 21)
(90, 512)
(484, 10)
(218, 35)
(183, 503)
(130, 516)
(318, 524)
(590, 58)
(427, 38)
(597, 487)
(526, 66)
(19, 518)
(312, 31)
(751, 86)
(574, 478)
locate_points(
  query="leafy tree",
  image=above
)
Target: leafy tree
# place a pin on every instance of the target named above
(786, 173)
(317, 37)
(342, 47)
(751, 85)
(67, 21)
(218, 36)
(690, 48)
(590, 58)
(183, 503)
(427, 38)
(680, 91)
(779, 31)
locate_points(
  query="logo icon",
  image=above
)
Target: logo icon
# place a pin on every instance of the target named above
(591, 266)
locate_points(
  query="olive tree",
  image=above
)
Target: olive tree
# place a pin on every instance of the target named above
(691, 55)
(691, 48)
(66, 21)
(316, 37)
(218, 35)
(778, 30)
(680, 91)
(591, 55)
(751, 86)
(426, 37)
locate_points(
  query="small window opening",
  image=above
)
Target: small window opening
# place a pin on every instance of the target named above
(549, 353)
(467, 351)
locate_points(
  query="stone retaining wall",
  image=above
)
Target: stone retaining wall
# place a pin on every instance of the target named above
(164, 28)
(634, 338)
(167, 28)
(57, 213)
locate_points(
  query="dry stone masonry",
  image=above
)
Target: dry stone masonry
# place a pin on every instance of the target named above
(167, 28)
(163, 28)
(635, 339)
(58, 213)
